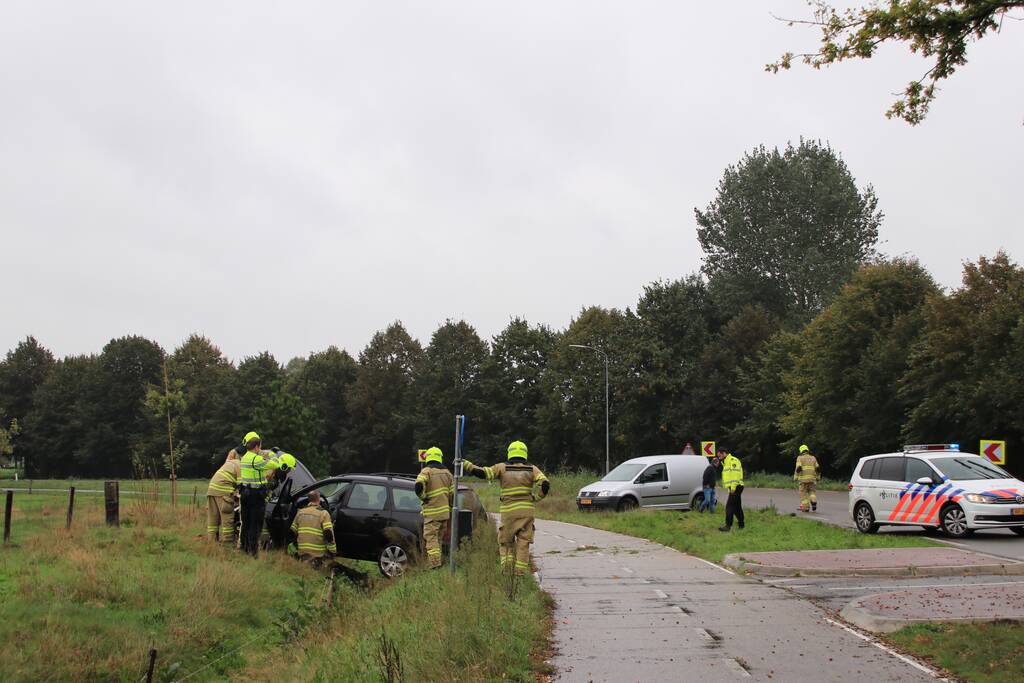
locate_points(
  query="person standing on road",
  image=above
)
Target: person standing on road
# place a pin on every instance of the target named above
(519, 483)
(435, 487)
(732, 480)
(257, 473)
(220, 500)
(708, 482)
(312, 532)
(806, 475)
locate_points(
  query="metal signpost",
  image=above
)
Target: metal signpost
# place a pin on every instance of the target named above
(453, 543)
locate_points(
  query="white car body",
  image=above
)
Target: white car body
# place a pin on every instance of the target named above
(935, 486)
(667, 482)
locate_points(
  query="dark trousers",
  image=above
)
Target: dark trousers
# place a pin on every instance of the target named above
(734, 506)
(254, 507)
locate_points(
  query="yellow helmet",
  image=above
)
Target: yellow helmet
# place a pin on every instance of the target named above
(287, 459)
(517, 449)
(805, 449)
(434, 454)
(250, 437)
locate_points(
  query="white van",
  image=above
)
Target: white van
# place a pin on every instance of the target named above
(667, 482)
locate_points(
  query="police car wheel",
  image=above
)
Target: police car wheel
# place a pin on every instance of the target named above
(392, 561)
(954, 522)
(864, 518)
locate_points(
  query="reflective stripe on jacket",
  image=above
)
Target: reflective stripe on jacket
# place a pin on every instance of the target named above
(732, 472)
(254, 469)
(518, 480)
(226, 479)
(437, 493)
(308, 527)
(806, 468)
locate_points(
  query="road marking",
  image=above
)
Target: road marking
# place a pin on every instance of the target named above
(570, 540)
(736, 668)
(705, 635)
(920, 667)
(716, 566)
(661, 594)
(923, 585)
(677, 608)
(627, 569)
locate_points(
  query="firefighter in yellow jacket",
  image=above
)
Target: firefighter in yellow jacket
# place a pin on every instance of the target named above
(522, 484)
(312, 532)
(807, 474)
(435, 487)
(220, 500)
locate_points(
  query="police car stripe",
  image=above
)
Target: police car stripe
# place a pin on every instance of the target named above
(905, 496)
(933, 496)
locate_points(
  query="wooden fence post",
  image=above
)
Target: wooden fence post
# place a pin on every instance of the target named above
(71, 506)
(152, 665)
(7, 515)
(112, 500)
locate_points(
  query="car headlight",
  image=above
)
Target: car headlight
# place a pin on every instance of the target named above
(979, 498)
(603, 494)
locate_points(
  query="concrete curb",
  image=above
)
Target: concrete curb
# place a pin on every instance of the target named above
(1008, 568)
(861, 617)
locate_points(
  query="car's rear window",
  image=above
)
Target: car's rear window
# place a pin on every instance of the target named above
(405, 500)
(368, 497)
(868, 469)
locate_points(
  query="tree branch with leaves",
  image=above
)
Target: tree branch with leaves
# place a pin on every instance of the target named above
(936, 29)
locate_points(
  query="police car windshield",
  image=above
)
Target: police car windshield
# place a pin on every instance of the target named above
(967, 468)
(624, 472)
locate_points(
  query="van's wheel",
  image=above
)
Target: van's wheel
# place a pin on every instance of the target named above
(626, 504)
(697, 501)
(864, 518)
(954, 522)
(1019, 530)
(393, 560)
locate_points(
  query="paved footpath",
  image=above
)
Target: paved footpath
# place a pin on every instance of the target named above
(632, 610)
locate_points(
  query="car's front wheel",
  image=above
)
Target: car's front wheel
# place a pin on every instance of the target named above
(393, 560)
(954, 522)
(627, 504)
(864, 518)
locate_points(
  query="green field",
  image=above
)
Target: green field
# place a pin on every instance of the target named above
(980, 653)
(697, 533)
(90, 603)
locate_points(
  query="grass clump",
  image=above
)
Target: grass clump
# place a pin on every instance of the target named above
(981, 653)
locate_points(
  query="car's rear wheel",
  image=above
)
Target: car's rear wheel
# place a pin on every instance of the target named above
(697, 501)
(393, 560)
(628, 503)
(864, 518)
(954, 522)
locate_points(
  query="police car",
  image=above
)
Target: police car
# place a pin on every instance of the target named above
(935, 486)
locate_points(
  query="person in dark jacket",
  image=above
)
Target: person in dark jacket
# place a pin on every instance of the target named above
(708, 482)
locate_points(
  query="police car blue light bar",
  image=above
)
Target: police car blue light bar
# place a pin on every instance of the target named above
(924, 447)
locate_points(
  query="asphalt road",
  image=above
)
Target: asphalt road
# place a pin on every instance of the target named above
(629, 610)
(833, 509)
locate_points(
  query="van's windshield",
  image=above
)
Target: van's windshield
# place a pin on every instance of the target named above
(624, 472)
(969, 467)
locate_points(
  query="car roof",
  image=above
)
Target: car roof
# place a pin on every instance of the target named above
(920, 454)
(405, 481)
(648, 459)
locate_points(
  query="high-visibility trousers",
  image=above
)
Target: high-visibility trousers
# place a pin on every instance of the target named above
(514, 539)
(807, 495)
(220, 518)
(432, 529)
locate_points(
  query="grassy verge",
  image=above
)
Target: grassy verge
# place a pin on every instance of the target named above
(90, 603)
(774, 480)
(698, 534)
(980, 653)
(160, 487)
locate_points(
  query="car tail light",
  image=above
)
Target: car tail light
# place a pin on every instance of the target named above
(849, 487)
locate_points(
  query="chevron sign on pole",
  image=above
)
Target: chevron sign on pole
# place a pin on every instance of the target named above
(994, 451)
(707, 448)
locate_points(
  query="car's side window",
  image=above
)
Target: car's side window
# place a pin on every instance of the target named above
(654, 473)
(917, 468)
(891, 469)
(405, 500)
(869, 469)
(333, 492)
(368, 497)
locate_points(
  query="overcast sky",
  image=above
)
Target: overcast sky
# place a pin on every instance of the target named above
(286, 176)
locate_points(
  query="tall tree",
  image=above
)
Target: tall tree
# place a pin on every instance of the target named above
(322, 382)
(288, 422)
(254, 379)
(54, 443)
(382, 403)
(21, 373)
(785, 230)
(206, 424)
(964, 382)
(841, 395)
(936, 29)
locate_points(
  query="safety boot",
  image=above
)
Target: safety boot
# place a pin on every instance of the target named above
(814, 507)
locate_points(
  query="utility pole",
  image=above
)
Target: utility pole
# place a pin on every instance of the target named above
(607, 439)
(170, 436)
(453, 542)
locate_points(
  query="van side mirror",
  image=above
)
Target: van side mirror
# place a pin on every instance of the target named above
(926, 481)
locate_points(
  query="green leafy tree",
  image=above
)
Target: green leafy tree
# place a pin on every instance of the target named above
(936, 29)
(785, 230)
(253, 379)
(7, 435)
(21, 373)
(288, 422)
(841, 394)
(53, 443)
(322, 382)
(206, 421)
(382, 404)
(165, 405)
(964, 381)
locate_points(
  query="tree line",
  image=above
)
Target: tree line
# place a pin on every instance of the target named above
(794, 331)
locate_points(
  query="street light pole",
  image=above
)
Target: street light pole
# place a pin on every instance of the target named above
(607, 450)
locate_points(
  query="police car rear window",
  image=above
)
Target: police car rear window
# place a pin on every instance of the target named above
(890, 469)
(868, 469)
